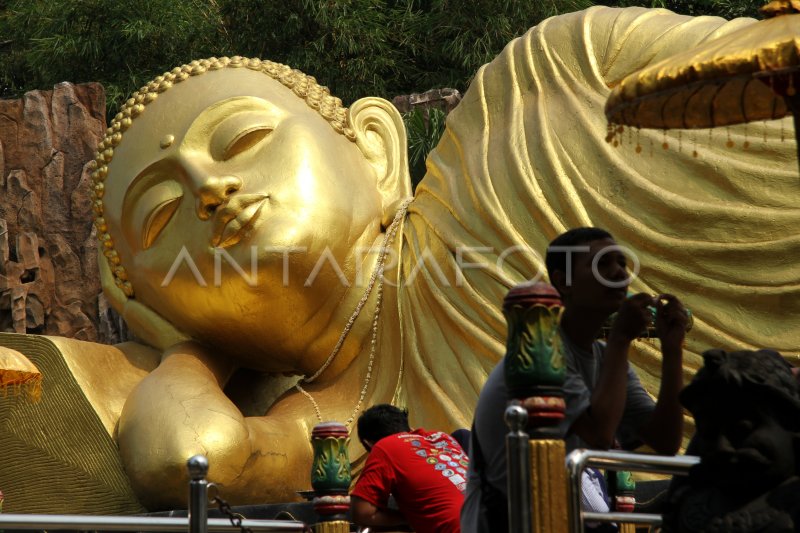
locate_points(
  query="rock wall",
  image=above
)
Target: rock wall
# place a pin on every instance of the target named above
(49, 281)
(444, 99)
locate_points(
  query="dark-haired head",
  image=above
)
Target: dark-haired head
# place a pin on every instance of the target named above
(557, 253)
(380, 421)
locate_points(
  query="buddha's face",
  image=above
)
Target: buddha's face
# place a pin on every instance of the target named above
(231, 167)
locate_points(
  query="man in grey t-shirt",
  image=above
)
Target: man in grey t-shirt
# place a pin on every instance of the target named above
(604, 398)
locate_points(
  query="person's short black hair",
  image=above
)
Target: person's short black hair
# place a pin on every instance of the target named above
(556, 260)
(380, 421)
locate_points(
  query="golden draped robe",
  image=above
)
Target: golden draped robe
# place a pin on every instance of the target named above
(524, 158)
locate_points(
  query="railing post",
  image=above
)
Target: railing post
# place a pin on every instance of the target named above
(576, 462)
(519, 468)
(198, 494)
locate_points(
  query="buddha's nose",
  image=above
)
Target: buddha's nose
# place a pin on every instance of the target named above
(213, 192)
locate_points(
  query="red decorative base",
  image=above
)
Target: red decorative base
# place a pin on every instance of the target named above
(544, 410)
(624, 504)
(333, 430)
(331, 505)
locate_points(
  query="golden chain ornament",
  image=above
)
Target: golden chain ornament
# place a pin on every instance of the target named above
(377, 277)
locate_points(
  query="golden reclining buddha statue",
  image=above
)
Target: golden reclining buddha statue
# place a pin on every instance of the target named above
(242, 211)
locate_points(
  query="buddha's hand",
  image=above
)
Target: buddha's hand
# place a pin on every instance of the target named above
(180, 410)
(632, 318)
(671, 323)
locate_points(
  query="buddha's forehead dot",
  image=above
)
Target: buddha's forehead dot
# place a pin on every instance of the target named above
(167, 141)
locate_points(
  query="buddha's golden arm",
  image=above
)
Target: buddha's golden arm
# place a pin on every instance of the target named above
(180, 410)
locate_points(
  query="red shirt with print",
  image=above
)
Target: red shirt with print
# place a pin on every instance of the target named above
(426, 473)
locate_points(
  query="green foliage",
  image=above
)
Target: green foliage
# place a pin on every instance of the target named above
(728, 9)
(452, 42)
(355, 47)
(424, 128)
(119, 44)
(349, 45)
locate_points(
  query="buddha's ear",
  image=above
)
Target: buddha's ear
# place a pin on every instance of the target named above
(381, 137)
(146, 324)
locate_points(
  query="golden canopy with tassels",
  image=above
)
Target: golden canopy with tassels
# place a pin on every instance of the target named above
(738, 77)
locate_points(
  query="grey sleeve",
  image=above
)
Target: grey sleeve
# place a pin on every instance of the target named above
(576, 395)
(639, 407)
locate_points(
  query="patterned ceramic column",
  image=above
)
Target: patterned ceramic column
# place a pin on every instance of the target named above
(535, 373)
(534, 363)
(330, 477)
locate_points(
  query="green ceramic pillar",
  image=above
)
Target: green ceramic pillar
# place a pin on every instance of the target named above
(534, 362)
(330, 476)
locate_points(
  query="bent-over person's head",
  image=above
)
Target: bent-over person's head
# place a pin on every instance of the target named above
(380, 421)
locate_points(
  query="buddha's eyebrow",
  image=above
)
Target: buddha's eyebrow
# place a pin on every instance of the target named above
(145, 179)
(217, 113)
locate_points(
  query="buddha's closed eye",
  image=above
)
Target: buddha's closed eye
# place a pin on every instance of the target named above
(245, 140)
(157, 219)
(151, 203)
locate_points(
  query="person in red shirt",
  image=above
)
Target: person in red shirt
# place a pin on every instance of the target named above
(425, 472)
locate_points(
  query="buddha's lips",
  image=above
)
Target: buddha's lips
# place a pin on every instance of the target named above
(236, 218)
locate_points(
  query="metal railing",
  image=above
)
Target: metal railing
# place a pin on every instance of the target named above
(135, 523)
(196, 522)
(519, 478)
(616, 460)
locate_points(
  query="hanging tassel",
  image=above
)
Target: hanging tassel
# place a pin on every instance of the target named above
(19, 376)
